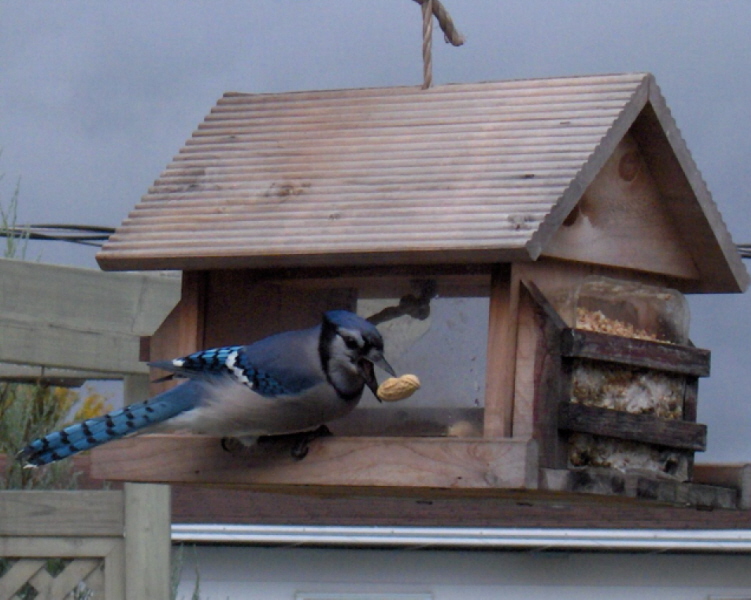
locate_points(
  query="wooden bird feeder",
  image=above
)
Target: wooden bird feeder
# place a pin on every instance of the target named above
(482, 223)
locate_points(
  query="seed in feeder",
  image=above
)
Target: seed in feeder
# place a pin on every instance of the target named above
(462, 429)
(595, 320)
(398, 388)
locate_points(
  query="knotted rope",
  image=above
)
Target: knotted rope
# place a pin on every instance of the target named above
(432, 8)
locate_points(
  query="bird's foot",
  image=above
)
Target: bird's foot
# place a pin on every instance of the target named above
(235, 445)
(297, 444)
(301, 446)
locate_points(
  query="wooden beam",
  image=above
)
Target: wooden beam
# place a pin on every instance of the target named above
(36, 342)
(610, 483)
(686, 197)
(673, 358)
(86, 299)
(182, 331)
(552, 377)
(737, 477)
(501, 354)
(147, 541)
(61, 513)
(80, 319)
(51, 376)
(333, 464)
(636, 427)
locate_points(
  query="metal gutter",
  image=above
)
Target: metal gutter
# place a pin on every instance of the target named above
(539, 539)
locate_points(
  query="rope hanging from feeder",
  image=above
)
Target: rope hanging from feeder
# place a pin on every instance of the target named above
(427, 43)
(432, 8)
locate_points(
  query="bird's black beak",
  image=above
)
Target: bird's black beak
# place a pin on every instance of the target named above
(367, 370)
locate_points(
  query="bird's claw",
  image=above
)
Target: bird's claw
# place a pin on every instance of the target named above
(301, 447)
(232, 445)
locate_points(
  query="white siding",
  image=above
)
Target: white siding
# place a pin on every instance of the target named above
(255, 573)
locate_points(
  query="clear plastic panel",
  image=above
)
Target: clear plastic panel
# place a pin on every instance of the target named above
(627, 309)
(446, 348)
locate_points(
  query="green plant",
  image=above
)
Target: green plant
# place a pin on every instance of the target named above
(27, 412)
(178, 562)
(15, 240)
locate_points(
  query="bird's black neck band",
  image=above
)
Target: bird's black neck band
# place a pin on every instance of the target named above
(328, 333)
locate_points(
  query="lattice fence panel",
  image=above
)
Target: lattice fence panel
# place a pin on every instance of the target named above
(53, 579)
(85, 545)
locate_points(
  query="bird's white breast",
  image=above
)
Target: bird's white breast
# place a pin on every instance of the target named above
(232, 410)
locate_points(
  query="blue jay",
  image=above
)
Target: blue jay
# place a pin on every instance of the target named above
(288, 383)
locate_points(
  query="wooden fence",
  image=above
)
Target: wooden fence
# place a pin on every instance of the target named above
(61, 324)
(66, 324)
(86, 545)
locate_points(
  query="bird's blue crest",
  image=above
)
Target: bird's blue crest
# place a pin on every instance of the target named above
(349, 320)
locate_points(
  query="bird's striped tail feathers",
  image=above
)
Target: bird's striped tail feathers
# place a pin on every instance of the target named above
(114, 425)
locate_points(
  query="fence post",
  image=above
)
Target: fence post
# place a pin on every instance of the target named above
(147, 541)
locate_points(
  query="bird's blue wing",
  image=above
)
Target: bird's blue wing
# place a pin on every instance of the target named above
(201, 363)
(204, 364)
(279, 365)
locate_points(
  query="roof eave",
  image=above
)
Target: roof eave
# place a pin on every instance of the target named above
(148, 261)
(590, 169)
(721, 267)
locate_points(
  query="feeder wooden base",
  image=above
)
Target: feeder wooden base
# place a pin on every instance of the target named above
(609, 482)
(333, 462)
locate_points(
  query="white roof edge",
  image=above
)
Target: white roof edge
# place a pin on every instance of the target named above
(532, 539)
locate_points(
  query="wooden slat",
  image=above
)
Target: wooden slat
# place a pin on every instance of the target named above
(80, 319)
(686, 494)
(636, 427)
(501, 355)
(86, 299)
(643, 236)
(736, 476)
(50, 513)
(57, 547)
(76, 572)
(333, 464)
(699, 221)
(147, 541)
(299, 166)
(32, 342)
(552, 377)
(590, 169)
(42, 582)
(539, 148)
(522, 151)
(584, 116)
(487, 128)
(283, 131)
(456, 92)
(95, 582)
(136, 255)
(445, 104)
(673, 358)
(440, 148)
(612, 483)
(115, 572)
(182, 332)
(18, 575)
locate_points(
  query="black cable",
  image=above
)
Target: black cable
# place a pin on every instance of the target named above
(94, 235)
(87, 235)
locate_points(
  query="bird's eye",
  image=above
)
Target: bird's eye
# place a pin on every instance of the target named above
(350, 342)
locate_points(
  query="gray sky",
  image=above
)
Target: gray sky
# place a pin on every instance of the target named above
(96, 97)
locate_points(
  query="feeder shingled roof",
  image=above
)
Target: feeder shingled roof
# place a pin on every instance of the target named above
(457, 173)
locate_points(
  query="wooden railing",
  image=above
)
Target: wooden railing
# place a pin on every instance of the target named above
(82, 545)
